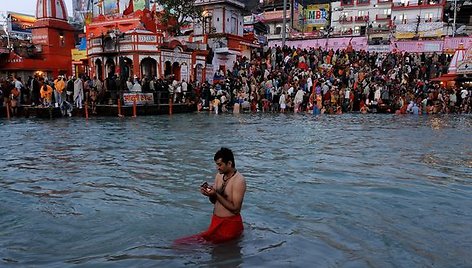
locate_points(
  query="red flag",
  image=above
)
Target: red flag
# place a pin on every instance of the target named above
(129, 9)
(154, 8)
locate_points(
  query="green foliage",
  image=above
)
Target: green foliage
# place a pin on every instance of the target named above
(179, 13)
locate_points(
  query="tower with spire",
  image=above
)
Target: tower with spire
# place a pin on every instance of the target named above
(49, 53)
(53, 34)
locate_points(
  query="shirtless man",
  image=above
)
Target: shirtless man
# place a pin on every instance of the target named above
(227, 193)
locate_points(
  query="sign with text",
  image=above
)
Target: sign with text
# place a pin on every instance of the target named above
(78, 55)
(316, 16)
(140, 98)
(465, 67)
(40, 39)
(20, 23)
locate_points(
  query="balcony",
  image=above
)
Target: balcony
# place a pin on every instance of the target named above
(362, 18)
(417, 4)
(363, 2)
(379, 29)
(383, 17)
(345, 19)
(415, 20)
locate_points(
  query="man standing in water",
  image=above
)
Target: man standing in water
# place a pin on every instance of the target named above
(227, 193)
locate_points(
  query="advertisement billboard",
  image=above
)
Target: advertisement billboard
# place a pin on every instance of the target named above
(139, 4)
(297, 15)
(110, 7)
(20, 23)
(317, 16)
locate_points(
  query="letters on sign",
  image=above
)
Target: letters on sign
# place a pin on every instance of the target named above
(147, 38)
(140, 98)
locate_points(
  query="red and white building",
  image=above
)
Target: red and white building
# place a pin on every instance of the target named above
(49, 53)
(138, 45)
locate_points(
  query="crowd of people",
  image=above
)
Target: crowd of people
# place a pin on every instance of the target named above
(279, 79)
(71, 92)
(333, 82)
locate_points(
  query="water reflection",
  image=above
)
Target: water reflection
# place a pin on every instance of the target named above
(226, 255)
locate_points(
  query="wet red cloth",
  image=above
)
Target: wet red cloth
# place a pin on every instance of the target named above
(221, 229)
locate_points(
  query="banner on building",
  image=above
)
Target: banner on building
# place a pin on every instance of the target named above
(140, 4)
(297, 16)
(423, 29)
(20, 23)
(110, 7)
(316, 16)
(78, 55)
(465, 67)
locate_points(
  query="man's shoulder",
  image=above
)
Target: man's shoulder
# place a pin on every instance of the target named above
(240, 176)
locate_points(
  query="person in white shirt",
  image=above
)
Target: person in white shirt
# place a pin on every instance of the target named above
(309, 83)
(129, 84)
(290, 91)
(464, 93)
(282, 103)
(298, 100)
(78, 92)
(184, 86)
(137, 86)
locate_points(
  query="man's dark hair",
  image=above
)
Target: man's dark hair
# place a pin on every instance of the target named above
(226, 155)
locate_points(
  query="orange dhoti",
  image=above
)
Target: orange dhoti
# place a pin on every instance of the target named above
(221, 229)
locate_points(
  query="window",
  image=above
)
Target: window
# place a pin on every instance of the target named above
(357, 30)
(387, 11)
(278, 29)
(402, 18)
(234, 25)
(428, 16)
(361, 13)
(62, 41)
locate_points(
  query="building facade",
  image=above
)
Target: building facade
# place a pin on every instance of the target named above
(370, 18)
(417, 19)
(222, 30)
(49, 52)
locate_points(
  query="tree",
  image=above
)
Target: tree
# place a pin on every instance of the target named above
(179, 13)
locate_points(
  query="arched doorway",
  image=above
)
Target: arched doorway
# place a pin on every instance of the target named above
(176, 71)
(126, 68)
(148, 67)
(110, 67)
(199, 73)
(184, 72)
(167, 69)
(99, 69)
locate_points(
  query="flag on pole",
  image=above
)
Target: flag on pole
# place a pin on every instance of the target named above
(130, 8)
(154, 7)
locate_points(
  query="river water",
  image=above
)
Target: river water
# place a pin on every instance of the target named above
(326, 191)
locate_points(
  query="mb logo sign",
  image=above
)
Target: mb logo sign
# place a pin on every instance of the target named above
(317, 14)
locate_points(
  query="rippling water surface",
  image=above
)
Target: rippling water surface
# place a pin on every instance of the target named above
(327, 191)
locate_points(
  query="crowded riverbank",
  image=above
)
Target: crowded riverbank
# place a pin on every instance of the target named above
(314, 81)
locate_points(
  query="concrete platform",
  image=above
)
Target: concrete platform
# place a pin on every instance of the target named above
(102, 110)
